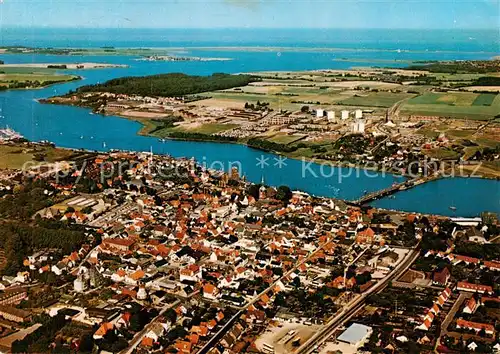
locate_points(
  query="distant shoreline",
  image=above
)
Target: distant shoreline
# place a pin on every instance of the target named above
(151, 50)
(63, 66)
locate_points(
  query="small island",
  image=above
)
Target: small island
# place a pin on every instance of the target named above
(178, 58)
(62, 66)
(38, 75)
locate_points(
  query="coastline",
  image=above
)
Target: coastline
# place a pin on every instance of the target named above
(346, 201)
(144, 130)
(41, 87)
(68, 66)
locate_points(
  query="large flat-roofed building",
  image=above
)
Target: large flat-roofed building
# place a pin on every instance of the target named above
(356, 335)
(118, 244)
(12, 297)
(15, 315)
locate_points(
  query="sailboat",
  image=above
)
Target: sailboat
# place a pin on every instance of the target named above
(454, 208)
(104, 144)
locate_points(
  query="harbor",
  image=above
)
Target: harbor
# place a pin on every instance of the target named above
(8, 134)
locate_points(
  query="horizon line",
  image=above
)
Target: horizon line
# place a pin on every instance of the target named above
(251, 28)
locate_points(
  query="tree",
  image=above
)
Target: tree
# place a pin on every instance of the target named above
(87, 210)
(296, 282)
(253, 190)
(138, 320)
(284, 193)
(171, 315)
(86, 343)
(304, 109)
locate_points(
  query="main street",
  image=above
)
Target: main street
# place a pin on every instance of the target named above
(352, 308)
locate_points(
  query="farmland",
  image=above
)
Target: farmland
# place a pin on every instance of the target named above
(465, 105)
(484, 99)
(376, 99)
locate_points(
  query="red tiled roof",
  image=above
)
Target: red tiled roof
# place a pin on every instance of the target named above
(476, 287)
(475, 325)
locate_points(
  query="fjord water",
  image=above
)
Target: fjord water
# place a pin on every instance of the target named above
(77, 128)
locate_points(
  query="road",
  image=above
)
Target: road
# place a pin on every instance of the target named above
(138, 336)
(322, 335)
(215, 339)
(451, 314)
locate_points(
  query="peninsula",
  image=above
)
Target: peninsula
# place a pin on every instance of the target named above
(377, 118)
(38, 75)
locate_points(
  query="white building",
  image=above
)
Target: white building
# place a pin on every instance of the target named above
(358, 114)
(358, 126)
(331, 116)
(344, 114)
(142, 293)
(320, 112)
(80, 284)
(356, 335)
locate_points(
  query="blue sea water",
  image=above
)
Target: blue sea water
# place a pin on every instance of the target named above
(77, 128)
(458, 41)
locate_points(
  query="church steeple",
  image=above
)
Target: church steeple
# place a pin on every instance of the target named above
(262, 190)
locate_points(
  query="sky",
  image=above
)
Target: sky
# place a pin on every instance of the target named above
(414, 14)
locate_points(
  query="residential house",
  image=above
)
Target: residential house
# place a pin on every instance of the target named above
(476, 326)
(475, 288)
(102, 330)
(192, 272)
(441, 277)
(471, 306)
(210, 291)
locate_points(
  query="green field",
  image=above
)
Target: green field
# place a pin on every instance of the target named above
(443, 154)
(14, 157)
(376, 99)
(212, 128)
(208, 128)
(285, 138)
(455, 98)
(461, 105)
(484, 99)
(14, 77)
(26, 70)
(42, 78)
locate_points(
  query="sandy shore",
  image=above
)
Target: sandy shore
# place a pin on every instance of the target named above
(68, 66)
